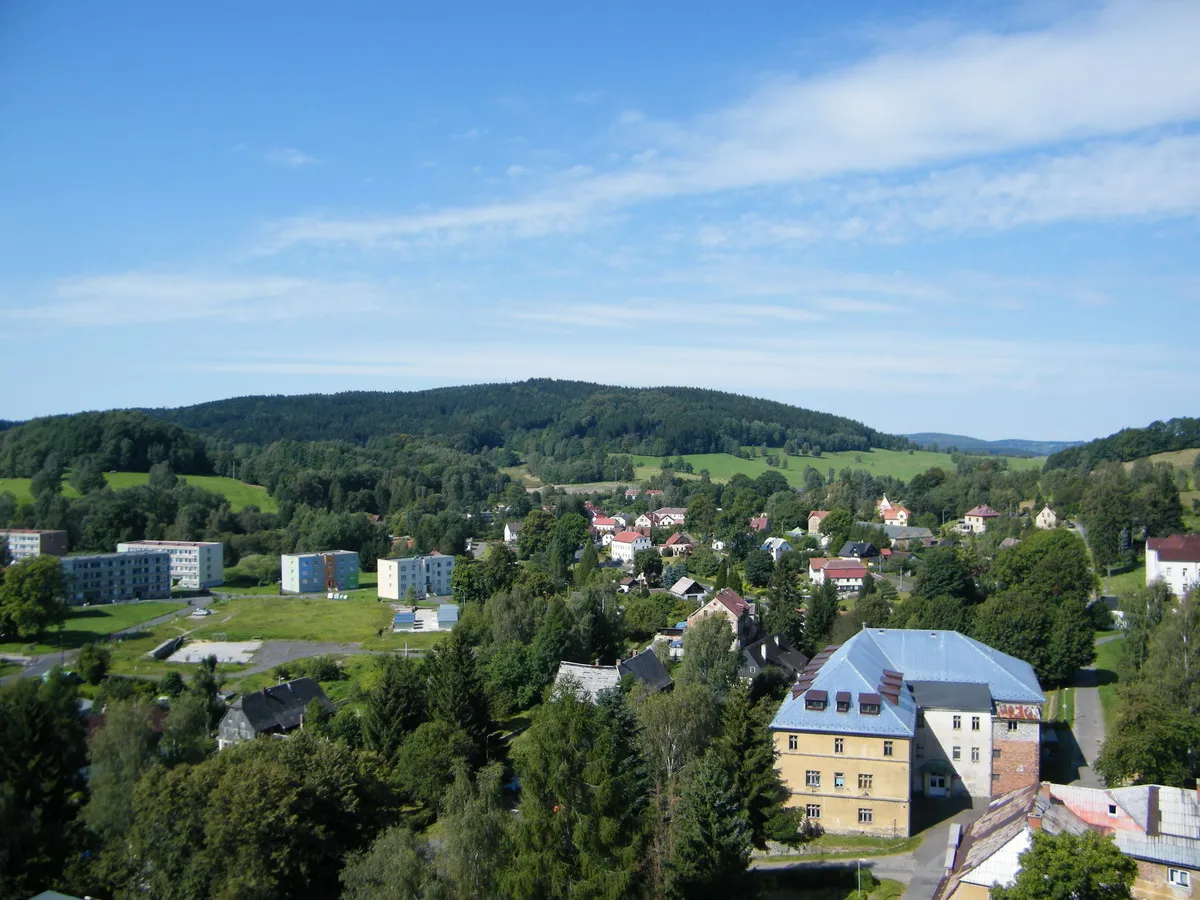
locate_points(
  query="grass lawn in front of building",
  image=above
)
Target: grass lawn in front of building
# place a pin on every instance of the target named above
(90, 623)
(1107, 656)
(1126, 582)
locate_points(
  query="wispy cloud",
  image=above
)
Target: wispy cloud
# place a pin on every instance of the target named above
(134, 298)
(1116, 71)
(290, 157)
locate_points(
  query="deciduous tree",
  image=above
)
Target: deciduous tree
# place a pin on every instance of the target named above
(1085, 866)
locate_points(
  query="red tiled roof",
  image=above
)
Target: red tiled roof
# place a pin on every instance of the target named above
(759, 523)
(679, 538)
(983, 511)
(603, 520)
(1176, 548)
(847, 572)
(732, 601)
(627, 537)
(819, 513)
(818, 562)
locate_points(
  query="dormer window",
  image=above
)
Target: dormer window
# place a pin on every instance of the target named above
(816, 700)
(843, 701)
(869, 709)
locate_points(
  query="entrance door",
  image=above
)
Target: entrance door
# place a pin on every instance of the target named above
(937, 786)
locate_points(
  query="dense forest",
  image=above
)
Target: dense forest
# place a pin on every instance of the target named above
(1130, 444)
(539, 414)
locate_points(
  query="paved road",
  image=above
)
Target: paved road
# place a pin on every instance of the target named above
(1089, 723)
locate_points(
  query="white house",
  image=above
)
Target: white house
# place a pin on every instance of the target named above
(848, 574)
(512, 531)
(815, 519)
(621, 519)
(976, 520)
(1174, 559)
(604, 523)
(776, 546)
(626, 544)
(644, 521)
(1046, 518)
(896, 515)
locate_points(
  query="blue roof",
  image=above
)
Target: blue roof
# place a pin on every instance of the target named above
(447, 614)
(921, 656)
(404, 618)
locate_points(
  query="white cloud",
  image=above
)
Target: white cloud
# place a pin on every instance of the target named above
(1125, 68)
(134, 298)
(290, 157)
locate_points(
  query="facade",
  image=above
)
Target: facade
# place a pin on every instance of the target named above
(894, 514)
(24, 543)
(893, 713)
(815, 518)
(604, 523)
(512, 531)
(117, 577)
(327, 570)
(1174, 559)
(274, 710)
(427, 575)
(679, 544)
(776, 547)
(737, 612)
(847, 574)
(626, 544)
(1047, 518)
(195, 565)
(976, 520)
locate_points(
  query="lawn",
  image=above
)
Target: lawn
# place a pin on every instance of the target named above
(84, 625)
(1180, 459)
(896, 463)
(236, 492)
(1126, 582)
(1060, 706)
(1107, 656)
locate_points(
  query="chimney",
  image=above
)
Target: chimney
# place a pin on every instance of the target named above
(1034, 820)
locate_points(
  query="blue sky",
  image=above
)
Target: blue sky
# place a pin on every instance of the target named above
(971, 218)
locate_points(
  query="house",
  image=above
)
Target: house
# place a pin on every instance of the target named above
(654, 492)
(882, 506)
(718, 545)
(776, 547)
(669, 517)
(621, 519)
(735, 609)
(760, 523)
(512, 532)
(679, 544)
(626, 544)
(858, 550)
(1158, 827)
(815, 518)
(1047, 518)
(896, 515)
(645, 520)
(604, 524)
(893, 713)
(795, 534)
(843, 571)
(905, 534)
(688, 589)
(606, 539)
(627, 584)
(773, 651)
(1174, 559)
(845, 579)
(976, 520)
(644, 667)
(631, 493)
(274, 710)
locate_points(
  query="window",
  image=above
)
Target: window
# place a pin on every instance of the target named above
(869, 709)
(1179, 877)
(1012, 726)
(995, 776)
(956, 753)
(839, 779)
(1112, 810)
(839, 745)
(813, 810)
(974, 723)
(843, 706)
(887, 748)
(793, 742)
(818, 705)
(974, 754)
(864, 782)
(865, 816)
(995, 753)
(957, 722)
(812, 778)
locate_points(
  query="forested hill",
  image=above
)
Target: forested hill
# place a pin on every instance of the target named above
(1004, 447)
(534, 415)
(1129, 444)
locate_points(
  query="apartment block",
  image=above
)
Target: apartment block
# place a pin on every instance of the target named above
(894, 713)
(427, 575)
(26, 542)
(195, 565)
(326, 570)
(117, 577)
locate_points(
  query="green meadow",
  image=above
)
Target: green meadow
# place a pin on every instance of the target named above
(239, 494)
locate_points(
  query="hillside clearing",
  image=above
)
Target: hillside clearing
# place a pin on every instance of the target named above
(238, 493)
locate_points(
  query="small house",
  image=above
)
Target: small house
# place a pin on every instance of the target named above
(688, 589)
(1046, 519)
(276, 710)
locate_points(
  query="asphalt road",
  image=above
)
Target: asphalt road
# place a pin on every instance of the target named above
(1089, 724)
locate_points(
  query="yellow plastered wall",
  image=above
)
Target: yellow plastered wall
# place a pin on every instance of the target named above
(887, 797)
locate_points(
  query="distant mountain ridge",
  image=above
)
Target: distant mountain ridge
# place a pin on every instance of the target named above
(1004, 447)
(1129, 444)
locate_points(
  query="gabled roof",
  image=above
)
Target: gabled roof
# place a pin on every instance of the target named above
(775, 543)
(603, 520)
(983, 511)
(280, 707)
(1165, 820)
(848, 572)
(774, 650)
(1176, 548)
(680, 537)
(673, 511)
(647, 668)
(905, 532)
(687, 585)
(732, 601)
(759, 523)
(858, 548)
(591, 679)
(513, 526)
(819, 513)
(627, 537)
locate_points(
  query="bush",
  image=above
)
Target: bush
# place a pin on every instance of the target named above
(92, 663)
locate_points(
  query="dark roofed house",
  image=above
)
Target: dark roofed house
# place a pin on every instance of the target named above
(647, 668)
(273, 710)
(858, 550)
(773, 651)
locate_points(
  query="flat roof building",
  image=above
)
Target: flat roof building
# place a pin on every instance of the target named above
(195, 565)
(311, 573)
(117, 577)
(426, 575)
(26, 542)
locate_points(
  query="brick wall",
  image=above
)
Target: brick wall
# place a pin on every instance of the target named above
(1016, 765)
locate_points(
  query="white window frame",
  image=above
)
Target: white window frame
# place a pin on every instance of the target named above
(1179, 877)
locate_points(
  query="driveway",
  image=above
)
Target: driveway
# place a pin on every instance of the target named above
(1089, 724)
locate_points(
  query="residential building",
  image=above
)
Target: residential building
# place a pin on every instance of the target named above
(426, 575)
(1009, 542)
(795, 533)
(626, 544)
(738, 612)
(26, 542)
(771, 652)
(195, 565)
(604, 523)
(631, 493)
(776, 546)
(621, 519)
(815, 518)
(512, 531)
(847, 574)
(1047, 518)
(275, 710)
(1174, 559)
(976, 520)
(1158, 827)
(760, 523)
(644, 667)
(327, 570)
(679, 544)
(896, 515)
(894, 712)
(117, 577)
(902, 535)
(858, 550)
(688, 589)
(666, 517)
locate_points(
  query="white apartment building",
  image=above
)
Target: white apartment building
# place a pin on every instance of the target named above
(1176, 560)
(195, 565)
(116, 577)
(427, 575)
(311, 573)
(26, 542)
(626, 544)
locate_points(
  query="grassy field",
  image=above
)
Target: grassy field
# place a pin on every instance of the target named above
(84, 625)
(1107, 655)
(236, 492)
(1126, 582)
(1180, 459)
(896, 463)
